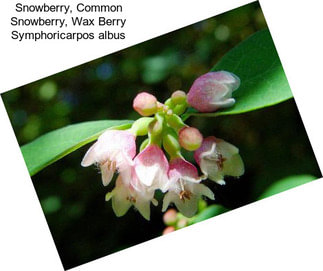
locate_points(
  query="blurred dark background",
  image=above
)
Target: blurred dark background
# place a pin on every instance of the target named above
(272, 142)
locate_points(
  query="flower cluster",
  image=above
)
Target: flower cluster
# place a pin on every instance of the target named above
(160, 164)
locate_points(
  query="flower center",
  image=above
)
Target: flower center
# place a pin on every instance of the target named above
(220, 160)
(184, 194)
(214, 155)
(112, 165)
(131, 199)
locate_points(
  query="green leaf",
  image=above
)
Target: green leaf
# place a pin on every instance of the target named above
(209, 212)
(285, 184)
(263, 81)
(54, 145)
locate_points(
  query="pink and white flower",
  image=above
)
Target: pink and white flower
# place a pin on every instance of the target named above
(129, 192)
(151, 167)
(185, 188)
(218, 158)
(137, 186)
(113, 151)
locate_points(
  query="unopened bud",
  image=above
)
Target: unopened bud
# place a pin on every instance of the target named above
(183, 222)
(155, 129)
(169, 103)
(168, 230)
(213, 91)
(190, 138)
(175, 122)
(156, 126)
(170, 143)
(140, 126)
(179, 109)
(145, 104)
(178, 97)
(170, 217)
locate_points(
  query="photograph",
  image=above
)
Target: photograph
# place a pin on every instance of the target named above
(161, 135)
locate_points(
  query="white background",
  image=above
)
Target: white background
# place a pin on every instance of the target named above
(283, 232)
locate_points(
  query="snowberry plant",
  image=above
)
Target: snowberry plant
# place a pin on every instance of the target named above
(159, 164)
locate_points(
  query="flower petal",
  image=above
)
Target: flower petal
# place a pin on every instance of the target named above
(203, 190)
(188, 207)
(120, 206)
(181, 167)
(227, 78)
(168, 198)
(208, 145)
(147, 174)
(151, 167)
(143, 206)
(120, 203)
(226, 149)
(90, 156)
(114, 141)
(234, 166)
(225, 103)
(210, 91)
(210, 169)
(106, 173)
(155, 202)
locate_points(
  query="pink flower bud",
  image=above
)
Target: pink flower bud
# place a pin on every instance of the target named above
(170, 217)
(182, 223)
(178, 97)
(168, 230)
(145, 104)
(190, 138)
(213, 91)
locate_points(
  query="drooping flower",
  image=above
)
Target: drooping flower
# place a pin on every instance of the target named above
(129, 191)
(218, 158)
(151, 167)
(114, 150)
(184, 187)
(213, 91)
